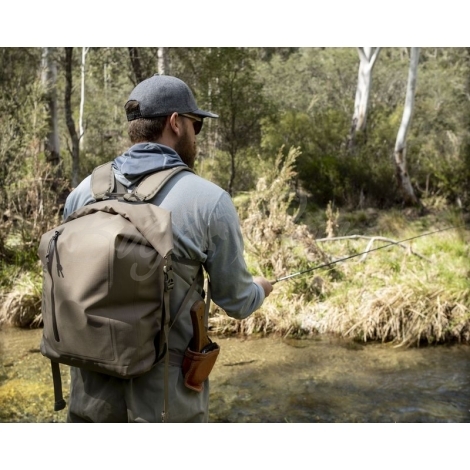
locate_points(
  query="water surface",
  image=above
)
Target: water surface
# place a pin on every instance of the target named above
(274, 380)
(332, 380)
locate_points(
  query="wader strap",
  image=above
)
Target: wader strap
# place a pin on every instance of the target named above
(102, 181)
(59, 402)
(150, 186)
(171, 357)
(166, 331)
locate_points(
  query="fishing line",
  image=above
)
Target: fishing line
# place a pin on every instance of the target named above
(359, 254)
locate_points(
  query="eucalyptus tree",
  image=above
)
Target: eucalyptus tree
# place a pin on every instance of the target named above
(49, 81)
(163, 64)
(403, 177)
(74, 149)
(82, 96)
(367, 59)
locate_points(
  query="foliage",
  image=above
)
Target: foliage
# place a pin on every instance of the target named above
(21, 306)
(268, 97)
(30, 191)
(404, 298)
(276, 245)
(271, 98)
(409, 295)
(235, 93)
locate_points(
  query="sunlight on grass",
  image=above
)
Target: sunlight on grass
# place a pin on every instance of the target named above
(411, 293)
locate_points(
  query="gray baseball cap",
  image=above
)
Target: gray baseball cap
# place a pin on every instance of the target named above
(162, 95)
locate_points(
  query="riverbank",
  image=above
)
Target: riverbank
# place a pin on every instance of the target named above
(399, 276)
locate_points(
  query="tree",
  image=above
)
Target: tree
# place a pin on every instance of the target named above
(367, 59)
(235, 94)
(75, 149)
(49, 81)
(163, 64)
(136, 65)
(144, 63)
(82, 96)
(400, 145)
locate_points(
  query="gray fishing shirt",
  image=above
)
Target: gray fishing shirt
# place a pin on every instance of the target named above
(206, 231)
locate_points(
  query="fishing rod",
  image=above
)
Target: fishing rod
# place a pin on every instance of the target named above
(359, 254)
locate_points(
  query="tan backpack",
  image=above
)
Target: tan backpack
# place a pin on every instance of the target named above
(107, 276)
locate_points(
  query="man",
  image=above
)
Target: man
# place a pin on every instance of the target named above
(164, 120)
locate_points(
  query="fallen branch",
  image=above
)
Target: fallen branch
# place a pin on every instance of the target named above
(371, 242)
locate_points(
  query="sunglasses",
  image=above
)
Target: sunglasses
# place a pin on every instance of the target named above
(197, 122)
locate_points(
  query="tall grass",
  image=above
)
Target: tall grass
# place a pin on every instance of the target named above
(409, 294)
(30, 201)
(21, 306)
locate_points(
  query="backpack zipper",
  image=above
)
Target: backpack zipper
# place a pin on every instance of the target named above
(52, 247)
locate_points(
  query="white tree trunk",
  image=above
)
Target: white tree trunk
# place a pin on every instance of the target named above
(400, 145)
(163, 65)
(49, 80)
(75, 149)
(367, 59)
(82, 97)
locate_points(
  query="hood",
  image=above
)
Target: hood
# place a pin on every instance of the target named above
(142, 159)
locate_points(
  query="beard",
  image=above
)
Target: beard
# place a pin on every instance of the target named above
(186, 149)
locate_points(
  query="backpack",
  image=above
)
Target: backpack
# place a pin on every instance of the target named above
(107, 277)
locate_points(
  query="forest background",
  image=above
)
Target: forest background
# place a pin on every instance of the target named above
(326, 152)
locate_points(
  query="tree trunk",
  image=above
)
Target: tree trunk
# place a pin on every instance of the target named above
(75, 150)
(163, 63)
(49, 80)
(403, 178)
(232, 173)
(368, 58)
(82, 97)
(136, 65)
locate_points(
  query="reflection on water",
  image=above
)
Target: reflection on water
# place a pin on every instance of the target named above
(271, 380)
(330, 380)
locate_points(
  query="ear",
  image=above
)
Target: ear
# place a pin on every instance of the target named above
(175, 124)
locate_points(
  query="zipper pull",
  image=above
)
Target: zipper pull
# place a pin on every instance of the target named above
(168, 276)
(59, 266)
(51, 241)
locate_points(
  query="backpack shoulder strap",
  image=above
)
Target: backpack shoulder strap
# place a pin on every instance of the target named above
(102, 181)
(153, 183)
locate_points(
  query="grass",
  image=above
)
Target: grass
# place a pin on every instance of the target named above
(21, 304)
(392, 296)
(411, 294)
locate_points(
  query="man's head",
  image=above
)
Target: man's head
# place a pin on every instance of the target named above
(163, 109)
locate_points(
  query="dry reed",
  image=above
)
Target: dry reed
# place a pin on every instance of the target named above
(381, 298)
(21, 307)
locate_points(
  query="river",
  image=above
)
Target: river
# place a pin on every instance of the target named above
(319, 380)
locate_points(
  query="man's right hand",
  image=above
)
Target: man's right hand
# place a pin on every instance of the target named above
(264, 283)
